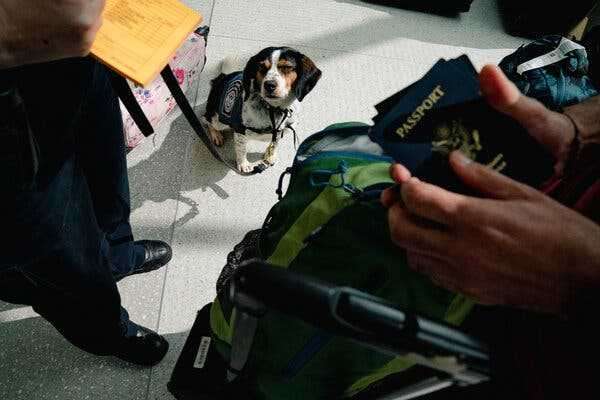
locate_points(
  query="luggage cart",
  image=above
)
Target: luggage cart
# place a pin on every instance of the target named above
(447, 359)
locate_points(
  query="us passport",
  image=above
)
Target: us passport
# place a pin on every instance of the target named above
(445, 111)
(463, 70)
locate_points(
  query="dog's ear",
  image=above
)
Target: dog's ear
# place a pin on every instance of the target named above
(308, 76)
(250, 74)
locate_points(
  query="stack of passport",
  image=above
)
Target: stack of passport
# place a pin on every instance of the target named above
(445, 111)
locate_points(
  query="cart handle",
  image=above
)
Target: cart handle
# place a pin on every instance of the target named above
(258, 286)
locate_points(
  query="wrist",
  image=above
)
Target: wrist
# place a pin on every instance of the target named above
(584, 116)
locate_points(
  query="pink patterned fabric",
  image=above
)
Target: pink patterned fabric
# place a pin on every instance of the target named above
(155, 99)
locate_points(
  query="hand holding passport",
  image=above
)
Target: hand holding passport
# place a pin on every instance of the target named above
(445, 111)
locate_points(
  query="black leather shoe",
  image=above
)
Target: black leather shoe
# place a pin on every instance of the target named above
(146, 347)
(157, 254)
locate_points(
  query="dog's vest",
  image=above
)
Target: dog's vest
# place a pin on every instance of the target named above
(230, 109)
(230, 106)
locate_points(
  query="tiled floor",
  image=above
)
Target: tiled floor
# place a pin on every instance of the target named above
(181, 195)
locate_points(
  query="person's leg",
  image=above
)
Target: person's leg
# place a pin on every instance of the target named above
(53, 258)
(102, 150)
(70, 283)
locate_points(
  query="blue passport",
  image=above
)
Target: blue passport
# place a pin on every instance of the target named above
(445, 111)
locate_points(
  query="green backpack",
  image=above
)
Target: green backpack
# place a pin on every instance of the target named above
(329, 225)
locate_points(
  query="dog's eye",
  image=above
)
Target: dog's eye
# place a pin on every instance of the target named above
(262, 68)
(286, 68)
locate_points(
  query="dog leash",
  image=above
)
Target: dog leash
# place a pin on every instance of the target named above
(192, 118)
(124, 92)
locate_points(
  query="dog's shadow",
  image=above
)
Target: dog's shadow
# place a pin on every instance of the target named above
(167, 174)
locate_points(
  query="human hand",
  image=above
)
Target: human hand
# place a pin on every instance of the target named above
(34, 31)
(553, 130)
(515, 247)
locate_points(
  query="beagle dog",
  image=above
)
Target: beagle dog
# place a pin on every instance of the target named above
(260, 102)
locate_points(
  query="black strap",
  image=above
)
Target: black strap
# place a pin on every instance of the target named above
(277, 128)
(295, 137)
(279, 190)
(121, 87)
(190, 115)
(274, 129)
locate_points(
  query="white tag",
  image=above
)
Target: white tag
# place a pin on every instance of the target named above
(560, 53)
(202, 352)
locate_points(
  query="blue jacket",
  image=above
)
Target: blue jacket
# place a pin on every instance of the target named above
(553, 70)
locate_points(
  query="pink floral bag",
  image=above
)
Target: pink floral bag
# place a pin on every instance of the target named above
(155, 100)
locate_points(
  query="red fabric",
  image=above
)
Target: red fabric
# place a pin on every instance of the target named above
(579, 188)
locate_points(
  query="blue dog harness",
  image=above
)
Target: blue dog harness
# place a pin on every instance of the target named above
(230, 110)
(230, 106)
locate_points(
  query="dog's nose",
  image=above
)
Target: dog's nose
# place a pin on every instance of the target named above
(270, 86)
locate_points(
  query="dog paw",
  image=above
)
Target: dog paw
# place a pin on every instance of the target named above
(217, 137)
(245, 167)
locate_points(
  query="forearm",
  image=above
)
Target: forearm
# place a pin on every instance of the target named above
(35, 31)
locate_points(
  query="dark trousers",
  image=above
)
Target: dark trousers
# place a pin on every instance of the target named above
(68, 228)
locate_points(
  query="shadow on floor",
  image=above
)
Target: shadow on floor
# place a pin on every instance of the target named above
(454, 30)
(36, 362)
(162, 176)
(432, 7)
(166, 174)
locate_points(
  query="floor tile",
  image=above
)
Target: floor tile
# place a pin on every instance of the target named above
(37, 363)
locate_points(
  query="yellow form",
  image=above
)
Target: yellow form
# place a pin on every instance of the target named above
(138, 37)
